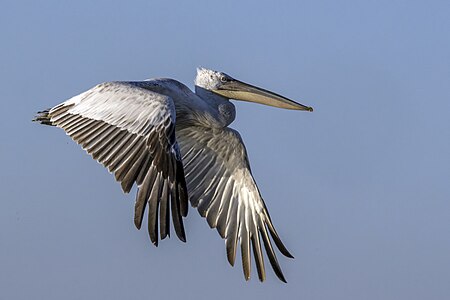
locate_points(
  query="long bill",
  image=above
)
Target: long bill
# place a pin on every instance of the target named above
(235, 89)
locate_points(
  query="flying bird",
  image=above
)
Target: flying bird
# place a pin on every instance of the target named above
(175, 146)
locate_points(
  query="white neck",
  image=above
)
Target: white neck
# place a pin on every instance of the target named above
(223, 108)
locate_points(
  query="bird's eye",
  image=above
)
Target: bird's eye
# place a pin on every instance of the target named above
(223, 78)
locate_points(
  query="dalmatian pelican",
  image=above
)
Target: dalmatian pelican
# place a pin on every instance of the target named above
(175, 146)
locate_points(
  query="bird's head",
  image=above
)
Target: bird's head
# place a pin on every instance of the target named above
(228, 87)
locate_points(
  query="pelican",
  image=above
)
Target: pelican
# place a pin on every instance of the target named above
(175, 146)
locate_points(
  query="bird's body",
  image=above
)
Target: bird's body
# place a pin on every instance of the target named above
(175, 145)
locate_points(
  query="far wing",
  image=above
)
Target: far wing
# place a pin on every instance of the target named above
(131, 131)
(221, 186)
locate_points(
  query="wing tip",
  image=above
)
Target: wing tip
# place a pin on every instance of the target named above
(43, 117)
(276, 238)
(137, 224)
(231, 256)
(181, 233)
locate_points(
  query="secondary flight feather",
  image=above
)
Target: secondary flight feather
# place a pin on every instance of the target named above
(175, 146)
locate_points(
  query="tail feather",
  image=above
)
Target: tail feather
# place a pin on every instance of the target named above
(43, 117)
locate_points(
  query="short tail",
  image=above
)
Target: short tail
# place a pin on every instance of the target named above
(43, 117)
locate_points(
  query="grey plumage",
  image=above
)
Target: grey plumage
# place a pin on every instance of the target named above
(225, 192)
(175, 145)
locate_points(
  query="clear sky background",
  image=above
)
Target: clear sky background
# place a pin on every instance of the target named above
(359, 190)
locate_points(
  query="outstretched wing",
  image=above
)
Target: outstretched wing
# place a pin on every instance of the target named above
(221, 186)
(131, 131)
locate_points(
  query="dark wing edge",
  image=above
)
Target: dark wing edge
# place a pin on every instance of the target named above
(146, 155)
(222, 188)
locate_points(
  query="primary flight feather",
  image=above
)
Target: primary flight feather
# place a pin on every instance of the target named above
(175, 146)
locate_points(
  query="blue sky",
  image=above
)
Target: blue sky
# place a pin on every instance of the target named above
(358, 190)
